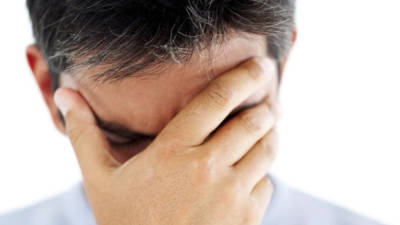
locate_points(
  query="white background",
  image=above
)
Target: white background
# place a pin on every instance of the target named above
(339, 134)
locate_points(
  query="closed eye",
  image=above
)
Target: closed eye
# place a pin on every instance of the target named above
(116, 139)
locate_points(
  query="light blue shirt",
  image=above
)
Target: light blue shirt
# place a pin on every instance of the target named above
(287, 207)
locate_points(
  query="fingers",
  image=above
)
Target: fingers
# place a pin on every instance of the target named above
(207, 110)
(262, 192)
(257, 162)
(259, 200)
(237, 136)
(89, 143)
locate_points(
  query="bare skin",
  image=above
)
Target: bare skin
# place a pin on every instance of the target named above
(148, 100)
(185, 176)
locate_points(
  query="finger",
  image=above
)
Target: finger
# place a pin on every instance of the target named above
(273, 102)
(262, 192)
(208, 109)
(257, 162)
(88, 141)
(233, 140)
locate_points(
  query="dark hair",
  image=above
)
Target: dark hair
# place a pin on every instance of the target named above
(131, 35)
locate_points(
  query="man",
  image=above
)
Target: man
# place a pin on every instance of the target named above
(170, 107)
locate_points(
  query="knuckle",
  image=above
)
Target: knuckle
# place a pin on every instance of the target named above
(75, 135)
(205, 167)
(232, 191)
(266, 147)
(253, 69)
(269, 145)
(231, 197)
(250, 121)
(267, 187)
(206, 162)
(219, 95)
(166, 153)
(171, 146)
(79, 127)
(271, 153)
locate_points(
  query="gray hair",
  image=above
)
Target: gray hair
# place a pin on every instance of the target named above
(126, 36)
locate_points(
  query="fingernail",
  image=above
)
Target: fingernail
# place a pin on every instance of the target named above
(61, 101)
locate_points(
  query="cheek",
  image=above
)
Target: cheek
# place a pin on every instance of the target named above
(123, 154)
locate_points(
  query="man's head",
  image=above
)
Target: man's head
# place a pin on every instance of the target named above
(138, 62)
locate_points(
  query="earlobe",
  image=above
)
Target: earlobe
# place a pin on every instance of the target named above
(40, 69)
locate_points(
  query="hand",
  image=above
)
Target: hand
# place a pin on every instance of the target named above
(185, 176)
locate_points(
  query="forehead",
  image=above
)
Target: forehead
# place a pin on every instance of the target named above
(147, 102)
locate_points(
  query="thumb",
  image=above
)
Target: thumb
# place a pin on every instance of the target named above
(88, 141)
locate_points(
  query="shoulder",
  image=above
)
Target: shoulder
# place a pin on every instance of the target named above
(70, 207)
(289, 207)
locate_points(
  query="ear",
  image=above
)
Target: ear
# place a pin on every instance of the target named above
(284, 60)
(41, 72)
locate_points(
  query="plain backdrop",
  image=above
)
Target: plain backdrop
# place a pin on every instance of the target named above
(339, 133)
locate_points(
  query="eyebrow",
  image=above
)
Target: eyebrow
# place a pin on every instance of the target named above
(123, 131)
